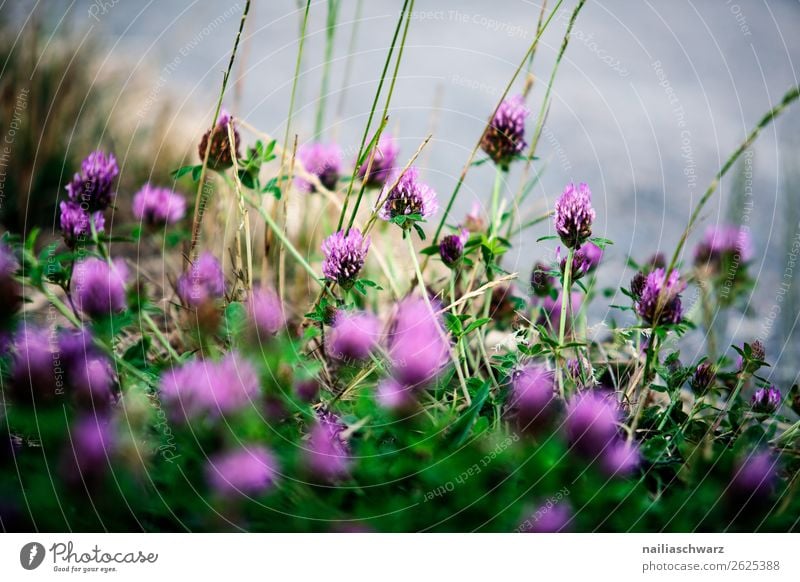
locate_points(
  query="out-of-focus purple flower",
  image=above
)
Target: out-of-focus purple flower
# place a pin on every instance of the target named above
(584, 260)
(10, 290)
(703, 378)
(249, 470)
(550, 517)
(353, 336)
(542, 281)
(203, 388)
(383, 162)
(321, 160)
(76, 346)
(98, 288)
(660, 296)
(220, 156)
(532, 397)
(158, 206)
(755, 475)
(591, 422)
(92, 188)
(76, 223)
(418, 348)
(204, 281)
(451, 248)
(394, 396)
(580, 370)
(551, 310)
(410, 196)
(574, 215)
(266, 312)
(345, 255)
(307, 390)
(326, 453)
(766, 400)
(35, 374)
(724, 242)
(92, 443)
(620, 458)
(92, 382)
(473, 221)
(505, 137)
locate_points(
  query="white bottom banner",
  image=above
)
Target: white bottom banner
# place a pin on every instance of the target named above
(401, 557)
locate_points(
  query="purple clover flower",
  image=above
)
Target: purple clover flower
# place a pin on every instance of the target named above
(383, 163)
(76, 223)
(353, 336)
(532, 397)
(584, 260)
(204, 281)
(574, 215)
(418, 349)
(724, 241)
(321, 160)
(92, 383)
(410, 196)
(591, 422)
(505, 137)
(542, 281)
(550, 517)
(704, 376)
(92, 442)
(327, 454)
(203, 388)
(220, 156)
(91, 189)
(451, 248)
(266, 312)
(661, 293)
(158, 206)
(98, 288)
(249, 470)
(394, 396)
(35, 372)
(766, 400)
(620, 458)
(345, 255)
(755, 475)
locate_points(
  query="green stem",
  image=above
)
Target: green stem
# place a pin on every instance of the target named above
(565, 293)
(496, 189)
(788, 98)
(348, 67)
(330, 33)
(364, 137)
(537, 134)
(278, 232)
(734, 395)
(293, 94)
(200, 199)
(159, 335)
(386, 106)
